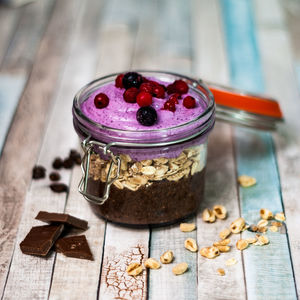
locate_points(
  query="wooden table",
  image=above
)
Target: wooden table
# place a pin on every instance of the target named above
(50, 48)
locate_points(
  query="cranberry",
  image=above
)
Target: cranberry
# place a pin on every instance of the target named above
(130, 95)
(174, 98)
(171, 89)
(154, 83)
(119, 81)
(181, 86)
(159, 91)
(144, 99)
(132, 79)
(169, 105)
(144, 79)
(146, 87)
(146, 115)
(101, 100)
(189, 102)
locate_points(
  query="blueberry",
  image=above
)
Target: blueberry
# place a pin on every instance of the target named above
(132, 79)
(146, 115)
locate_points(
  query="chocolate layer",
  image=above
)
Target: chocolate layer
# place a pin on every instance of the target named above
(162, 202)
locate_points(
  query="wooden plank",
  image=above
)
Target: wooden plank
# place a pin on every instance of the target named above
(255, 156)
(220, 183)
(281, 82)
(160, 46)
(14, 179)
(8, 22)
(11, 87)
(24, 43)
(119, 32)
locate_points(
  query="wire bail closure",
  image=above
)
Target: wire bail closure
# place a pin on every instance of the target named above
(88, 147)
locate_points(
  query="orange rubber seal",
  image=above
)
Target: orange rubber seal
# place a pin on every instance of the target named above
(246, 102)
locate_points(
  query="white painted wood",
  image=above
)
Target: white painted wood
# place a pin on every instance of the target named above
(282, 84)
(220, 184)
(58, 140)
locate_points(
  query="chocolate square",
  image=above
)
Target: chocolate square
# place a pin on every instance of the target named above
(74, 246)
(40, 239)
(62, 218)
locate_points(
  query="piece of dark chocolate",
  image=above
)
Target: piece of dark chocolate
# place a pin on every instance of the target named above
(40, 239)
(59, 187)
(62, 218)
(74, 246)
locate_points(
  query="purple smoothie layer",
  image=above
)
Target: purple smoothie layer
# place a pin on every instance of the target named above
(122, 115)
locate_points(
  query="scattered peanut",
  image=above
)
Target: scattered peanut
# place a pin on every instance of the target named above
(223, 248)
(266, 214)
(238, 225)
(134, 269)
(152, 263)
(167, 257)
(253, 228)
(187, 227)
(280, 216)
(180, 268)
(222, 243)
(242, 244)
(210, 252)
(246, 181)
(273, 228)
(221, 272)
(220, 211)
(262, 240)
(191, 245)
(262, 229)
(208, 216)
(224, 233)
(230, 261)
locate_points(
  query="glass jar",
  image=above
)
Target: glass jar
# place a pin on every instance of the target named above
(144, 177)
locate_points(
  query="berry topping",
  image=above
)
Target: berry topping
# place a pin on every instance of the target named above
(132, 79)
(181, 87)
(171, 89)
(146, 115)
(169, 105)
(189, 102)
(101, 100)
(130, 95)
(159, 91)
(119, 81)
(144, 99)
(174, 98)
(146, 87)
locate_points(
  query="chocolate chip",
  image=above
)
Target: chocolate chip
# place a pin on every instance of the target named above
(68, 163)
(59, 187)
(75, 156)
(54, 176)
(57, 163)
(38, 172)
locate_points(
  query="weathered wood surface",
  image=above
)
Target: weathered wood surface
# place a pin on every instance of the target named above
(82, 40)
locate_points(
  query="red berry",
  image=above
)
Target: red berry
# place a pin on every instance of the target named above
(144, 99)
(144, 79)
(174, 98)
(118, 81)
(181, 87)
(130, 95)
(169, 105)
(171, 89)
(154, 83)
(146, 87)
(101, 100)
(189, 102)
(159, 91)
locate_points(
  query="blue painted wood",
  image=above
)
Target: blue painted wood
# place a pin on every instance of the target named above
(268, 269)
(11, 87)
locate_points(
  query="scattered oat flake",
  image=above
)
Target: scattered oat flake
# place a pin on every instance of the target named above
(262, 223)
(224, 233)
(262, 240)
(230, 262)
(221, 272)
(246, 181)
(277, 224)
(280, 216)
(265, 214)
(242, 244)
(251, 240)
(273, 228)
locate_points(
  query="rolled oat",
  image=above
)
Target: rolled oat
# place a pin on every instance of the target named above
(242, 244)
(246, 181)
(280, 216)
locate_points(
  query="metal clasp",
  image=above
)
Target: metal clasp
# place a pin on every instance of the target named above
(88, 147)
